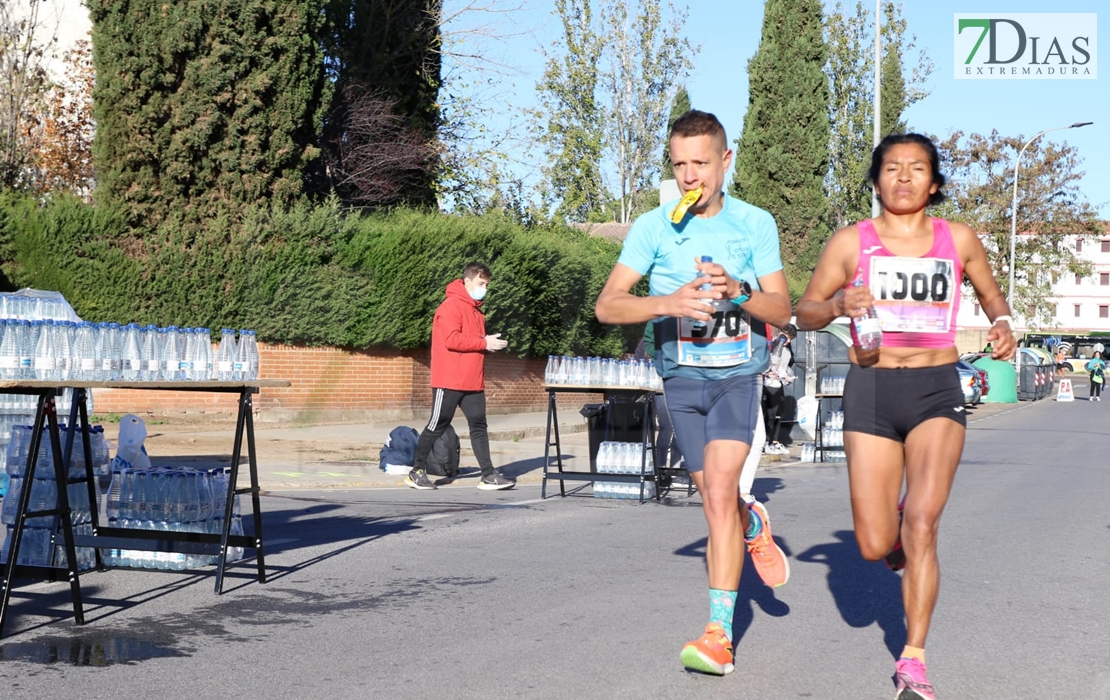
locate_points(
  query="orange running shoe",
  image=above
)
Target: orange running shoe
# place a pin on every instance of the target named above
(770, 562)
(712, 653)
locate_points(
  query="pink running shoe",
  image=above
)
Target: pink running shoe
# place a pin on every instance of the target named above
(910, 681)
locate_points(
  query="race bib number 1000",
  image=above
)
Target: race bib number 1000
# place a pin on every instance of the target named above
(913, 295)
(722, 341)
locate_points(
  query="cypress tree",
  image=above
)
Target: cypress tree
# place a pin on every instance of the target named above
(204, 106)
(892, 91)
(782, 155)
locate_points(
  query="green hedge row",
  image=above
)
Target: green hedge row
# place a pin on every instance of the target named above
(315, 274)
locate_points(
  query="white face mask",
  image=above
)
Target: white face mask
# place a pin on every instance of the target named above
(478, 294)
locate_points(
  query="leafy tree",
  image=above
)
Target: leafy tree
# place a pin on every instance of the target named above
(63, 152)
(644, 59)
(1051, 209)
(379, 55)
(205, 106)
(26, 45)
(572, 135)
(605, 102)
(782, 155)
(850, 70)
(680, 106)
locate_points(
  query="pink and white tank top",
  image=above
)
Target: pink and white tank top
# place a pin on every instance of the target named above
(916, 298)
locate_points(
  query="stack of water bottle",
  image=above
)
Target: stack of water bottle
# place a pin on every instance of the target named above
(36, 549)
(622, 458)
(85, 351)
(832, 431)
(832, 385)
(601, 371)
(169, 499)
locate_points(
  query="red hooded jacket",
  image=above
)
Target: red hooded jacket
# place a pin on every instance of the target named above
(459, 342)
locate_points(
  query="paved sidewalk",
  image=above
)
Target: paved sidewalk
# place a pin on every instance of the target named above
(346, 455)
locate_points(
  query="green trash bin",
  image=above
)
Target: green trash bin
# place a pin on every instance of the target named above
(1002, 378)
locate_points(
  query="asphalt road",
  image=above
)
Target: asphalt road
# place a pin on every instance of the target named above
(393, 593)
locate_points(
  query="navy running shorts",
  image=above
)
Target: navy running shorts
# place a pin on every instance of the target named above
(890, 403)
(705, 410)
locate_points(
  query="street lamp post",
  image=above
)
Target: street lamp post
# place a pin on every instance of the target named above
(1013, 206)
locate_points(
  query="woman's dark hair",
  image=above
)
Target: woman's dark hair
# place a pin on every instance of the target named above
(898, 139)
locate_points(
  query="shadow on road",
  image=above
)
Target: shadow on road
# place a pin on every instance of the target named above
(865, 592)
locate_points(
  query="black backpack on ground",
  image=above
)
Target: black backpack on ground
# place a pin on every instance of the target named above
(444, 458)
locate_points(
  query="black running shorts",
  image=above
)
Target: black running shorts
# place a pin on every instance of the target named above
(892, 402)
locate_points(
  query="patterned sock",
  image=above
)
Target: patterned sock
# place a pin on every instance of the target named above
(721, 605)
(909, 652)
(755, 525)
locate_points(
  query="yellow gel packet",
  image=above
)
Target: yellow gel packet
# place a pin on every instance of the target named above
(684, 204)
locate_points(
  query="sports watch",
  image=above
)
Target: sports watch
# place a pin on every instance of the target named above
(745, 293)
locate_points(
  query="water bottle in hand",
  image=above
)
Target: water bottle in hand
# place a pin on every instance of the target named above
(705, 288)
(868, 332)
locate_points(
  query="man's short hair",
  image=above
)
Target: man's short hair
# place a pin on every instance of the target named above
(476, 269)
(698, 123)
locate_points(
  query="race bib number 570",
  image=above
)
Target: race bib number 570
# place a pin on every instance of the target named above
(722, 341)
(913, 295)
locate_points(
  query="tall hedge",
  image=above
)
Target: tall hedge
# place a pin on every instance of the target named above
(314, 275)
(203, 106)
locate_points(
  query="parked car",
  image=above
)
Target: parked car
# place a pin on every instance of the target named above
(971, 382)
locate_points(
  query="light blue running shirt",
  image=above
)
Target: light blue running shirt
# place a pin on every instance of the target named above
(742, 238)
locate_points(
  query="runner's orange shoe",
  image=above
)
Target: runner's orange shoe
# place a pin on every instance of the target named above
(712, 653)
(769, 561)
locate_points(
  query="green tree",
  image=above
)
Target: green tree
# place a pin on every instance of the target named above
(644, 59)
(850, 69)
(782, 155)
(571, 136)
(205, 106)
(384, 59)
(680, 106)
(26, 45)
(1051, 210)
(604, 103)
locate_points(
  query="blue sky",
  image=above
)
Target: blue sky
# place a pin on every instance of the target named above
(728, 32)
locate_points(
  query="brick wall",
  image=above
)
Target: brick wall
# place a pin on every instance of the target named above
(329, 384)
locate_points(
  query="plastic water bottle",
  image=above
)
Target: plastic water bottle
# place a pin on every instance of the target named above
(869, 334)
(226, 355)
(131, 353)
(9, 351)
(25, 338)
(171, 355)
(63, 345)
(247, 359)
(203, 368)
(705, 288)
(150, 350)
(84, 352)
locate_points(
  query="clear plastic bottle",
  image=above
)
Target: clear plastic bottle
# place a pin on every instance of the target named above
(247, 358)
(226, 355)
(203, 369)
(171, 355)
(705, 288)
(151, 354)
(131, 354)
(868, 332)
(9, 351)
(85, 366)
(25, 338)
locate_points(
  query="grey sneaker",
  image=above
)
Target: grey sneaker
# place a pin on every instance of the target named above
(418, 479)
(495, 482)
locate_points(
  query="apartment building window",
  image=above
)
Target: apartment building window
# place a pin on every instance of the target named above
(976, 307)
(1104, 279)
(1054, 310)
(1106, 246)
(1078, 279)
(1079, 245)
(1104, 311)
(1077, 306)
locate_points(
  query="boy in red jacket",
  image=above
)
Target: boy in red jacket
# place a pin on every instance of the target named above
(459, 347)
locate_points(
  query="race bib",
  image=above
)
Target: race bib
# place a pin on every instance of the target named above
(722, 341)
(913, 295)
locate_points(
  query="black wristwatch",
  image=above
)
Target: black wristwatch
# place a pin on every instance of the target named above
(745, 293)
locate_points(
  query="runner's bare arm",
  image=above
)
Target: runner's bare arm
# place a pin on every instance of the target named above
(617, 305)
(978, 271)
(825, 298)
